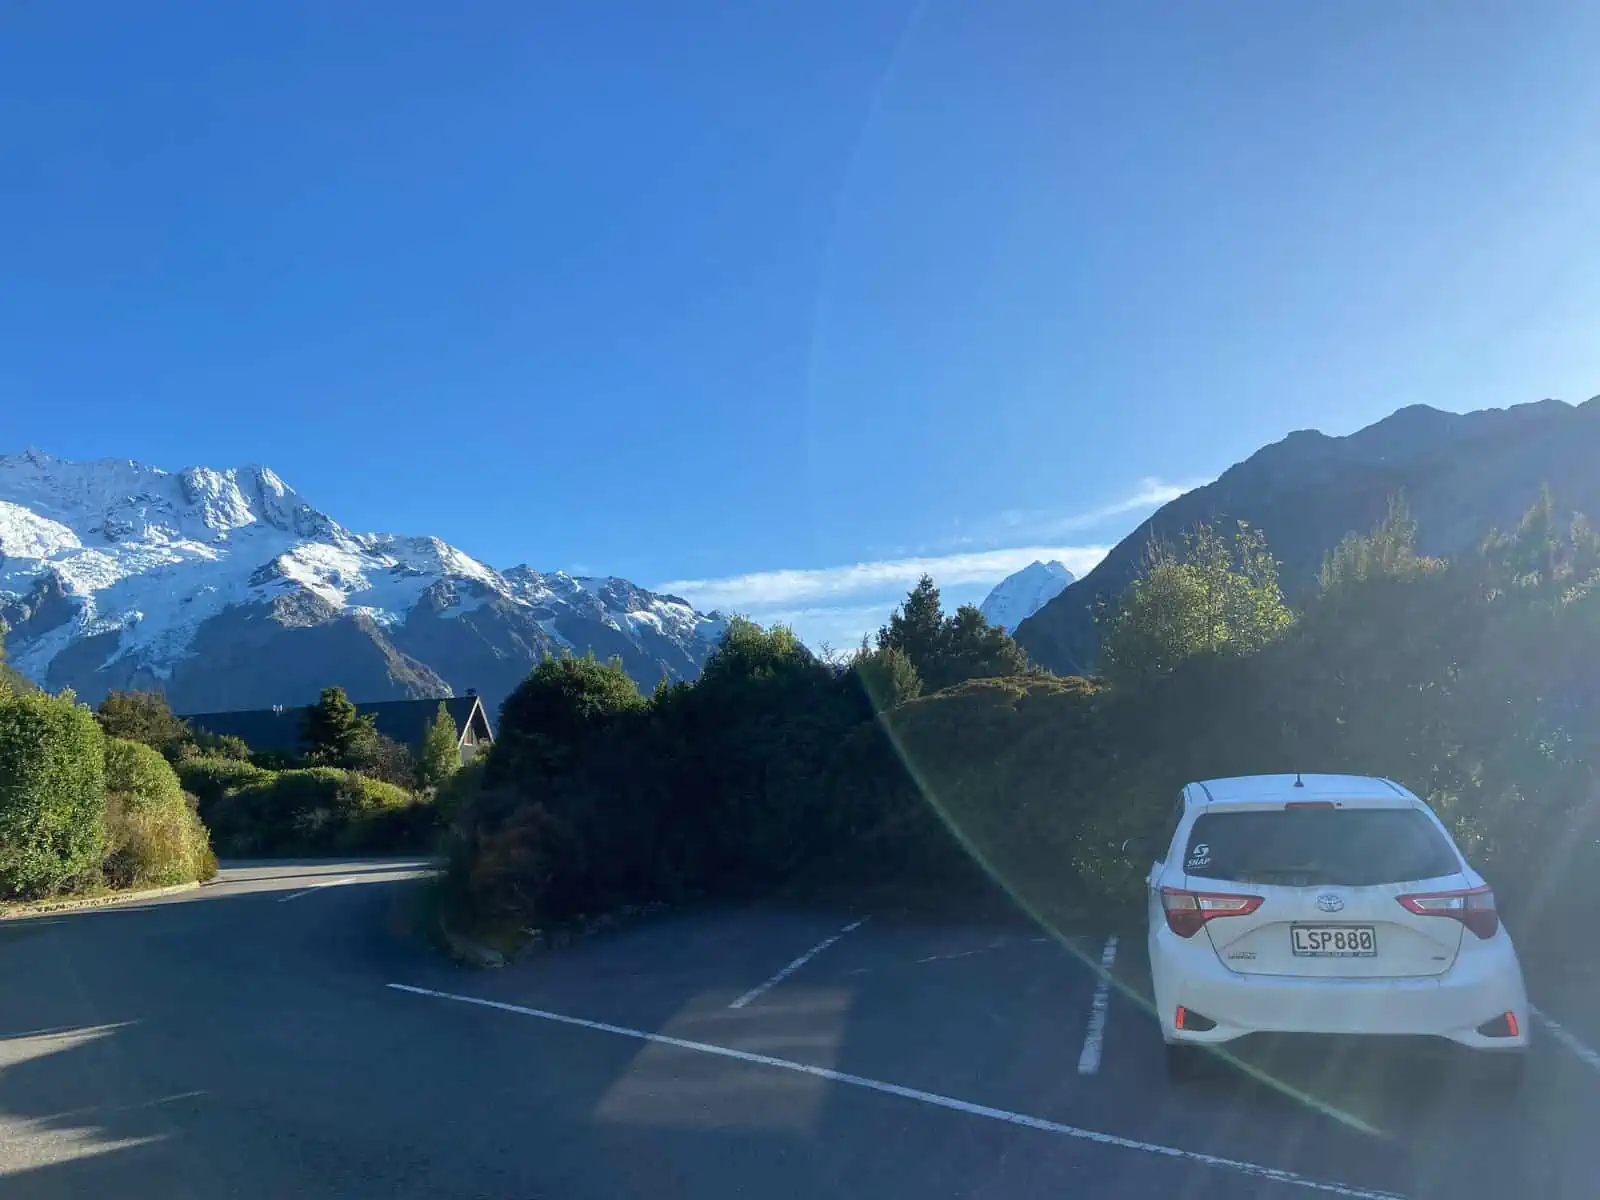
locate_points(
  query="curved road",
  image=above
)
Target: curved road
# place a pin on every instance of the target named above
(249, 1040)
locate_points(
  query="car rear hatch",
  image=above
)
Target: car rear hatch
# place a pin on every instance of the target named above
(1329, 876)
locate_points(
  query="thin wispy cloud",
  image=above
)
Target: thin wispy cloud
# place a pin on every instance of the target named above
(985, 552)
(806, 587)
(837, 605)
(1047, 524)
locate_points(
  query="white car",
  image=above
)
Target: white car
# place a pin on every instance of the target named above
(1325, 904)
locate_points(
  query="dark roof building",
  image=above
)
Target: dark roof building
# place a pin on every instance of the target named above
(405, 721)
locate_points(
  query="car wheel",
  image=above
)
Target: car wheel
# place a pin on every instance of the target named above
(1185, 1063)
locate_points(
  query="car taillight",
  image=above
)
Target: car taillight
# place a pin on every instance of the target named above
(1473, 907)
(1188, 911)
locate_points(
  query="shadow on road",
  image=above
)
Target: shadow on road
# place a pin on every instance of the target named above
(236, 1046)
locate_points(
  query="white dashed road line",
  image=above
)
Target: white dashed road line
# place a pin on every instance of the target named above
(1238, 1166)
(315, 887)
(789, 970)
(1094, 1038)
(997, 944)
(1586, 1053)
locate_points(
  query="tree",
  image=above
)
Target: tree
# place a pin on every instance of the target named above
(335, 733)
(1215, 595)
(948, 650)
(1534, 553)
(1388, 551)
(975, 649)
(144, 717)
(917, 629)
(379, 757)
(886, 676)
(1540, 553)
(440, 756)
(558, 707)
(52, 794)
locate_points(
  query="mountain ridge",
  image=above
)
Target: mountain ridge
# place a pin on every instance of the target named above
(1461, 474)
(226, 588)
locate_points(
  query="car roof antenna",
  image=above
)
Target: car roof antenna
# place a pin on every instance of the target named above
(1298, 782)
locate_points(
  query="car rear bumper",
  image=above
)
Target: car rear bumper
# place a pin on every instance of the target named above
(1478, 988)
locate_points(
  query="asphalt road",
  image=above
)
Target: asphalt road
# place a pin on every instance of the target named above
(249, 1040)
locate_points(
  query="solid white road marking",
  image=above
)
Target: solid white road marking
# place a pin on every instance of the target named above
(761, 988)
(1586, 1053)
(1255, 1170)
(315, 887)
(1094, 1038)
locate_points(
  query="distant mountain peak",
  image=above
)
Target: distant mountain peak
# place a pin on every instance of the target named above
(1021, 594)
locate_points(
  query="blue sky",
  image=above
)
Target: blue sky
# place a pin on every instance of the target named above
(787, 301)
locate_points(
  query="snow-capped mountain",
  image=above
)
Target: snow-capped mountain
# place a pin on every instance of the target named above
(227, 590)
(1018, 596)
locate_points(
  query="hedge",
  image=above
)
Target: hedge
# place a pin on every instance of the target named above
(52, 788)
(154, 837)
(319, 810)
(210, 778)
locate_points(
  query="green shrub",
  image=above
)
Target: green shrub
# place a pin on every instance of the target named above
(218, 745)
(142, 717)
(137, 770)
(319, 810)
(277, 760)
(154, 837)
(453, 794)
(210, 779)
(13, 681)
(52, 794)
(379, 757)
(532, 856)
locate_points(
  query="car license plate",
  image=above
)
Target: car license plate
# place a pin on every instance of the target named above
(1334, 941)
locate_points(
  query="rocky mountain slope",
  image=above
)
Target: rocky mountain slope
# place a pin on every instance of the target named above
(225, 589)
(1462, 473)
(1021, 594)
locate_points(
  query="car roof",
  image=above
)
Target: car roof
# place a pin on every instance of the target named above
(1275, 789)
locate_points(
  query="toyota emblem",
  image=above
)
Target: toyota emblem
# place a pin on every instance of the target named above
(1328, 902)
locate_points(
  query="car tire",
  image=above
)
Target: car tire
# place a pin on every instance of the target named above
(1185, 1063)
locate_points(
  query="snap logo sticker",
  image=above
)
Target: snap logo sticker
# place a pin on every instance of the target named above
(1199, 856)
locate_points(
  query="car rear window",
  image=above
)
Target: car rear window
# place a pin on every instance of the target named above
(1353, 847)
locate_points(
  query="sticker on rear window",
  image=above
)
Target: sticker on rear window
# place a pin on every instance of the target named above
(1199, 856)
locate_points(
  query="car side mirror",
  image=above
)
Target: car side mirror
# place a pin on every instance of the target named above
(1138, 850)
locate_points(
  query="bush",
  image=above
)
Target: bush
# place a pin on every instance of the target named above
(383, 758)
(561, 704)
(154, 837)
(205, 744)
(319, 810)
(142, 717)
(134, 769)
(453, 793)
(52, 794)
(210, 779)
